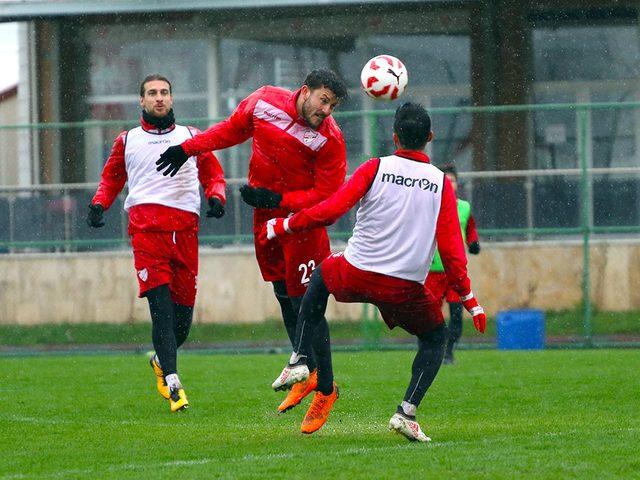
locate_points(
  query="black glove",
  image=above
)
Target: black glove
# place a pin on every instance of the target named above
(172, 158)
(94, 217)
(474, 248)
(259, 197)
(216, 209)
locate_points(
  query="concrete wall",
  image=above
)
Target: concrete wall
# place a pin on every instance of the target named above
(82, 287)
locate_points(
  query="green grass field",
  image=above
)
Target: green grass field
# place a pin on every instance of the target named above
(545, 414)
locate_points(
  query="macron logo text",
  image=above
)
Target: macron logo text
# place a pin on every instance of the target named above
(421, 183)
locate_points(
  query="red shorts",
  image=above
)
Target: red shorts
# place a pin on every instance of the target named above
(438, 284)
(167, 258)
(402, 303)
(292, 257)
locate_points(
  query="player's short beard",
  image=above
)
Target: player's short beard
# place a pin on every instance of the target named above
(307, 114)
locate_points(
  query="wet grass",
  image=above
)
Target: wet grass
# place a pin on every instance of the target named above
(492, 415)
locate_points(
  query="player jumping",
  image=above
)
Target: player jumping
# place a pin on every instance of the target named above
(298, 158)
(406, 206)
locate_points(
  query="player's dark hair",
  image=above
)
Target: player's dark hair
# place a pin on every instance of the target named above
(151, 78)
(412, 125)
(450, 168)
(327, 79)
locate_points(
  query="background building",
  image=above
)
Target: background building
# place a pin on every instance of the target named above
(84, 61)
(565, 168)
(8, 149)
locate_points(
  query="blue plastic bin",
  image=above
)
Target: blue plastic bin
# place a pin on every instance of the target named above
(520, 330)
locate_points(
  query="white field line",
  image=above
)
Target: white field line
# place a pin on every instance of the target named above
(53, 421)
(202, 461)
(266, 457)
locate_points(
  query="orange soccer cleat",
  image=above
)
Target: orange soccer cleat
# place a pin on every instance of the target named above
(298, 392)
(319, 410)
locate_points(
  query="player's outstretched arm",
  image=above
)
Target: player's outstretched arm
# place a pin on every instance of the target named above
(327, 212)
(237, 128)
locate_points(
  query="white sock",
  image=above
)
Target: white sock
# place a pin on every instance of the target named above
(295, 358)
(156, 359)
(409, 408)
(173, 381)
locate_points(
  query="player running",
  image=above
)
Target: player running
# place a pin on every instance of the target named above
(437, 282)
(406, 206)
(163, 223)
(298, 158)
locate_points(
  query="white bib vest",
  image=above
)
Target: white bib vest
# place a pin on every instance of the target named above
(396, 221)
(146, 185)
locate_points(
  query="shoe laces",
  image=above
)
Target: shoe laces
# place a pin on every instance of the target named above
(317, 409)
(300, 386)
(174, 393)
(414, 427)
(311, 379)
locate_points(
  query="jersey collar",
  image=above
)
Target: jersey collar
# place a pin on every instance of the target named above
(419, 156)
(147, 127)
(292, 105)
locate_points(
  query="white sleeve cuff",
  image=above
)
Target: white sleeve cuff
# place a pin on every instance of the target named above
(285, 224)
(467, 297)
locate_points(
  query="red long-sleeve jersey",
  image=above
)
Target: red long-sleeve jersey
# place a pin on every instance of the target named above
(447, 230)
(471, 233)
(288, 157)
(153, 216)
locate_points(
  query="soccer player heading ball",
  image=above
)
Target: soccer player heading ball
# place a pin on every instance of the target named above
(298, 158)
(407, 207)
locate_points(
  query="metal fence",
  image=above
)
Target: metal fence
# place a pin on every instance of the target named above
(580, 177)
(578, 168)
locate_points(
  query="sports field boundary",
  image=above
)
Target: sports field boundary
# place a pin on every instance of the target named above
(279, 348)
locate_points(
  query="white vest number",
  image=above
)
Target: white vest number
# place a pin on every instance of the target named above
(306, 269)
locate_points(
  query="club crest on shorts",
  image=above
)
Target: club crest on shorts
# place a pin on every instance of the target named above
(143, 274)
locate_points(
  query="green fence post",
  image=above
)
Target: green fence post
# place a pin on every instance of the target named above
(371, 327)
(373, 133)
(365, 321)
(370, 324)
(583, 131)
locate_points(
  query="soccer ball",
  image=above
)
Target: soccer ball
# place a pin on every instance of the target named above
(384, 77)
